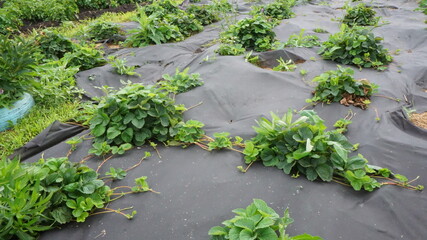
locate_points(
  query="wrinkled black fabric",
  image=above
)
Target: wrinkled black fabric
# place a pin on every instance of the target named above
(56, 132)
(199, 188)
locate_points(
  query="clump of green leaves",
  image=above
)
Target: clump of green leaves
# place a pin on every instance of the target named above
(119, 65)
(252, 33)
(258, 221)
(53, 45)
(221, 140)
(230, 48)
(299, 40)
(84, 57)
(285, 66)
(39, 196)
(47, 10)
(16, 67)
(152, 30)
(357, 46)
(304, 146)
(320, 30)
(9, 20)
(181, 82)
(189, 132)
(206, 14)
(360, 15)
(252, 59)
(340, 86)
(279, 9)
(102, 30)
(186, 23)
(422, 6)
(135, 114)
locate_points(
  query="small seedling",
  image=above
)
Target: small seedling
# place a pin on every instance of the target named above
(120, 67)
(283, 66)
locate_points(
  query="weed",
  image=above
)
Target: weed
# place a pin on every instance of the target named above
(119, 64)
(283, 66)
(320, 30)
(302, 41)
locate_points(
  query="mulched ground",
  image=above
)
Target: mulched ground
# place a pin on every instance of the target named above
(419, 119)
(84, 14)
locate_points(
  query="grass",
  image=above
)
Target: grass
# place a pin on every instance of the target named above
(39, 118)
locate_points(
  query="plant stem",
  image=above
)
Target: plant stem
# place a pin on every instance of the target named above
(391, 98)
(200, 103)
(103, 162)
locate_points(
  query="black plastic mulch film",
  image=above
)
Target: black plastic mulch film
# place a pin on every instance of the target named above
(199, 188)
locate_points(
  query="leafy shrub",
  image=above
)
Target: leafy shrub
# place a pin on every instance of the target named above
(206, 14)
(357, 46)
(360, 15)
(304, 146)
(53, 45)
(84, 57)
(181, 82)
(102, 30)
(151, 30)
(46, 10)
(302, 41)
(39, 196)
(16, 66)
(186, 23)
(9, 20)
(258, 221)
(135, 114)
(278, 9)
(100, 4)
(340, 86)
(253, 33)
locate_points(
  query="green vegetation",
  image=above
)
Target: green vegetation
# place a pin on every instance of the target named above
(39, 196)
(299, 40)
(252, 33)
(119, 64)
(340, 86)
(304, 146)
(283, 66)
(357, 46)
(360, 15)
(181, 82)
(279, 9)
(16, 64)
(101, 30)
(259, 222)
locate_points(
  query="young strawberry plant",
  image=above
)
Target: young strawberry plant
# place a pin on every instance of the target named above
(283, 66)
(206, 14)
(229, 48)
(304, 146)
(119, 64)
(258, 222)
(135, 114)
(360, 15)
(299, 40)
(186, 23)
(357, 46)
(252, 33)
(181, 82)
(340, 86)
(278, 9)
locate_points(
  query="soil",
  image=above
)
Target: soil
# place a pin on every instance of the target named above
(419, 119)
(351, 99)
(83, 14)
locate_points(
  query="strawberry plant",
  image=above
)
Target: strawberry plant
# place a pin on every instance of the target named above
(283, 66)
(181, 82)
(186, 23)
(304, 146)
(357, 46)
(84, 57)
(119, 65)
(258, 222)
(152, 30)
(254, 33)
(101, 30)
(206, 14)
(279, 9)
(229, 48)
(47, 10)
(299, 40)
(189, 132)
(9, 20)
(53, 45)
(135, 114)
(36, 197)
(360, 15)
(340, 86)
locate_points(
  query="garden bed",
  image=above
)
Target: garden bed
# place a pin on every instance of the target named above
(198, 189)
